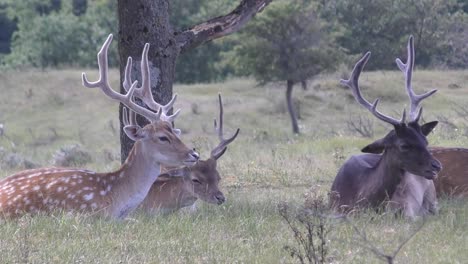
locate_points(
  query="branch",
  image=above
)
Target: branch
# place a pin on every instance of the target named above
(219, 26)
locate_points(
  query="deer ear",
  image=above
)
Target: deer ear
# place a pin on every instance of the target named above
(135, 132)
(177, 132)
(375, 147)
(428, 127)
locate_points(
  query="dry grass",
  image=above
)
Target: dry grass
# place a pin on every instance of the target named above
(266, 165)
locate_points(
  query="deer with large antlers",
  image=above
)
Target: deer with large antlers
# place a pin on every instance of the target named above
(182, 187)
(368, 180)
(113, 194)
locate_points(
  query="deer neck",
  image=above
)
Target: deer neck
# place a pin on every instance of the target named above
(132, 181)
(384, 179)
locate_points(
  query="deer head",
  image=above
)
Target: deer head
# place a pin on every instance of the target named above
(406, 144)
(159, 140)
(202, 180)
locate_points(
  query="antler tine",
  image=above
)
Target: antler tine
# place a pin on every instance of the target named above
(129, 117)
(144, 92)
(407, 69)
(221, 148)
(103, 84)
(353, 84)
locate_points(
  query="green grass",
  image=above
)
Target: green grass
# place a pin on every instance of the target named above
(266, 166)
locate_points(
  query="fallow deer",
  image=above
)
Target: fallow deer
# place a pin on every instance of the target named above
(178, 188)
(368, 180)
(452, 181)
(113, 194)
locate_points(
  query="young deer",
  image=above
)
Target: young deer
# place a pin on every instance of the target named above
(367, 180)
(113, 194)
(178, 188)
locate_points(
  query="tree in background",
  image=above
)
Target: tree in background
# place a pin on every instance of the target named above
(148, 21)
(203, 63)
(382, 26)
(50, 34)
(286, 43)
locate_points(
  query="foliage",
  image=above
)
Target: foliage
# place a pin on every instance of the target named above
(203, 63)
(311, 229)
(285, 42)
(382, 26)
(59, 37)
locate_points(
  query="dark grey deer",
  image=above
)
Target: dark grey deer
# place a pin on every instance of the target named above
(368, 180)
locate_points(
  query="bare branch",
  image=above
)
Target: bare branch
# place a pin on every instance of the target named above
(220, 26)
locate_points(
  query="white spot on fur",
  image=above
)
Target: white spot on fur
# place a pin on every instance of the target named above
(36, 188)
(88, 196)
(102, 193)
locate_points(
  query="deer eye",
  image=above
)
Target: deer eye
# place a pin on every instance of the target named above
(405, 147)
(196, 181)
(164, 139)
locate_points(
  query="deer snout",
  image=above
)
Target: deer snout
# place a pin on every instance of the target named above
(194, 155)
(219, 197)
(436, 165)
(192, 158)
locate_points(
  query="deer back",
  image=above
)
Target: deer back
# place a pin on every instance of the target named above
(453, 179)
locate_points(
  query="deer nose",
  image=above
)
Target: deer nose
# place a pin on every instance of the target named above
(220, 198)
(436, 165)
(194, 154)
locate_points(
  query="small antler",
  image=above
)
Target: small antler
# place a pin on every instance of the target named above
(144, 91)
(353, 84)
(407, 70)
(219, 150)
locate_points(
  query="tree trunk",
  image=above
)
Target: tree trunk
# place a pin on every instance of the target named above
(291, 109)
(147, 21)
(140, 22)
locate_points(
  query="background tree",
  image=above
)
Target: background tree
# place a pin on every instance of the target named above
(286, 43)
(382, 26)
(142, 21)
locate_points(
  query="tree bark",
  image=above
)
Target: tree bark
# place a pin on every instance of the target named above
(147, 21)
(291, 109)
(140, 22)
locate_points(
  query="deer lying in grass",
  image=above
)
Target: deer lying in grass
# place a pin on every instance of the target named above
(178, 188)
(368, 180)
(453, 179)
(113, 194)
(415, 196)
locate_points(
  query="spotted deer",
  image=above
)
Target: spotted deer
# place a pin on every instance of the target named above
(182, 187)
(368, 180)
(452, 181)
(113, 194)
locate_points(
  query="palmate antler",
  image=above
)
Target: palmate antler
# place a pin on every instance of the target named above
(219, 150)
(407, 69)
(143, 92)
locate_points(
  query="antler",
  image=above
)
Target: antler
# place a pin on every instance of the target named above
(103, 84)
(219, 150)
(353, 84)
(407, 70)
(144, 91)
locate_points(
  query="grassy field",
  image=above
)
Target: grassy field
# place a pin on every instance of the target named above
(43, 111)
